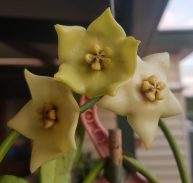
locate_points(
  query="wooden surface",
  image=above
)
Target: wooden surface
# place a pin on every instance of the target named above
(115, 146)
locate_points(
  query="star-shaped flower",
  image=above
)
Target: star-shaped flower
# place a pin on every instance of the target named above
(146, 97)
(49, 119)
(97, 60)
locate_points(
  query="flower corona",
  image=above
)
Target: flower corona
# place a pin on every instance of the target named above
(152, 88)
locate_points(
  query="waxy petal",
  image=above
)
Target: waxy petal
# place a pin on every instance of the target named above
(67, 74)
(68, 35)
(173, 106)
(126, 56)
(106, 27)
(96, 61)
(163, 59)
(26, 121)
(42, 87)
(42, 153)
(146, 128)
(143, 109)
(48, 143)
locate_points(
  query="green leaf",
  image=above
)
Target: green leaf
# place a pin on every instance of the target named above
(59, 170)
(11, 179)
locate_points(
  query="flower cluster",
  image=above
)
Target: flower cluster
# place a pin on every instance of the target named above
(98, 61)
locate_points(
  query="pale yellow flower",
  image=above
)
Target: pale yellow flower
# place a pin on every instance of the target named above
(146, 97)
(49, 119)
(97, 60)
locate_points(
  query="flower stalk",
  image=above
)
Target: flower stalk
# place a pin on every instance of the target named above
(80, 140)
(176, 152)
(95, 171)
(140, 168)
(7, 143)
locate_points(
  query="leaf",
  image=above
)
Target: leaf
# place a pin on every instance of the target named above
(59, 170)
(11, 179)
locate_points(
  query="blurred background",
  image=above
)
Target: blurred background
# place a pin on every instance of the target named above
(28, 40)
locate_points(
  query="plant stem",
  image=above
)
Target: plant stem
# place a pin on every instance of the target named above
(176, 152)
(140, 168)
(95, 171)
(80, 140)
(80, 128)
(89, 104)
(7, 143)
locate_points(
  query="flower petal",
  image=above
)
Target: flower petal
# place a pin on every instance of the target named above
(69, 38)
(105, 27)
(70, 76)
(163, 59)
(118, 103)
(63, 133)
(50, 142)
(172, 107)
(26, 121)
(59, 95)
(45, 89)
(98, 60)
(146, 128)
(41, 153)
(143, 115)
(126, 56)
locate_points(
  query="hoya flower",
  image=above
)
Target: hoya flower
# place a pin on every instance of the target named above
(146, 97)
(97, 60)
(49, 119)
